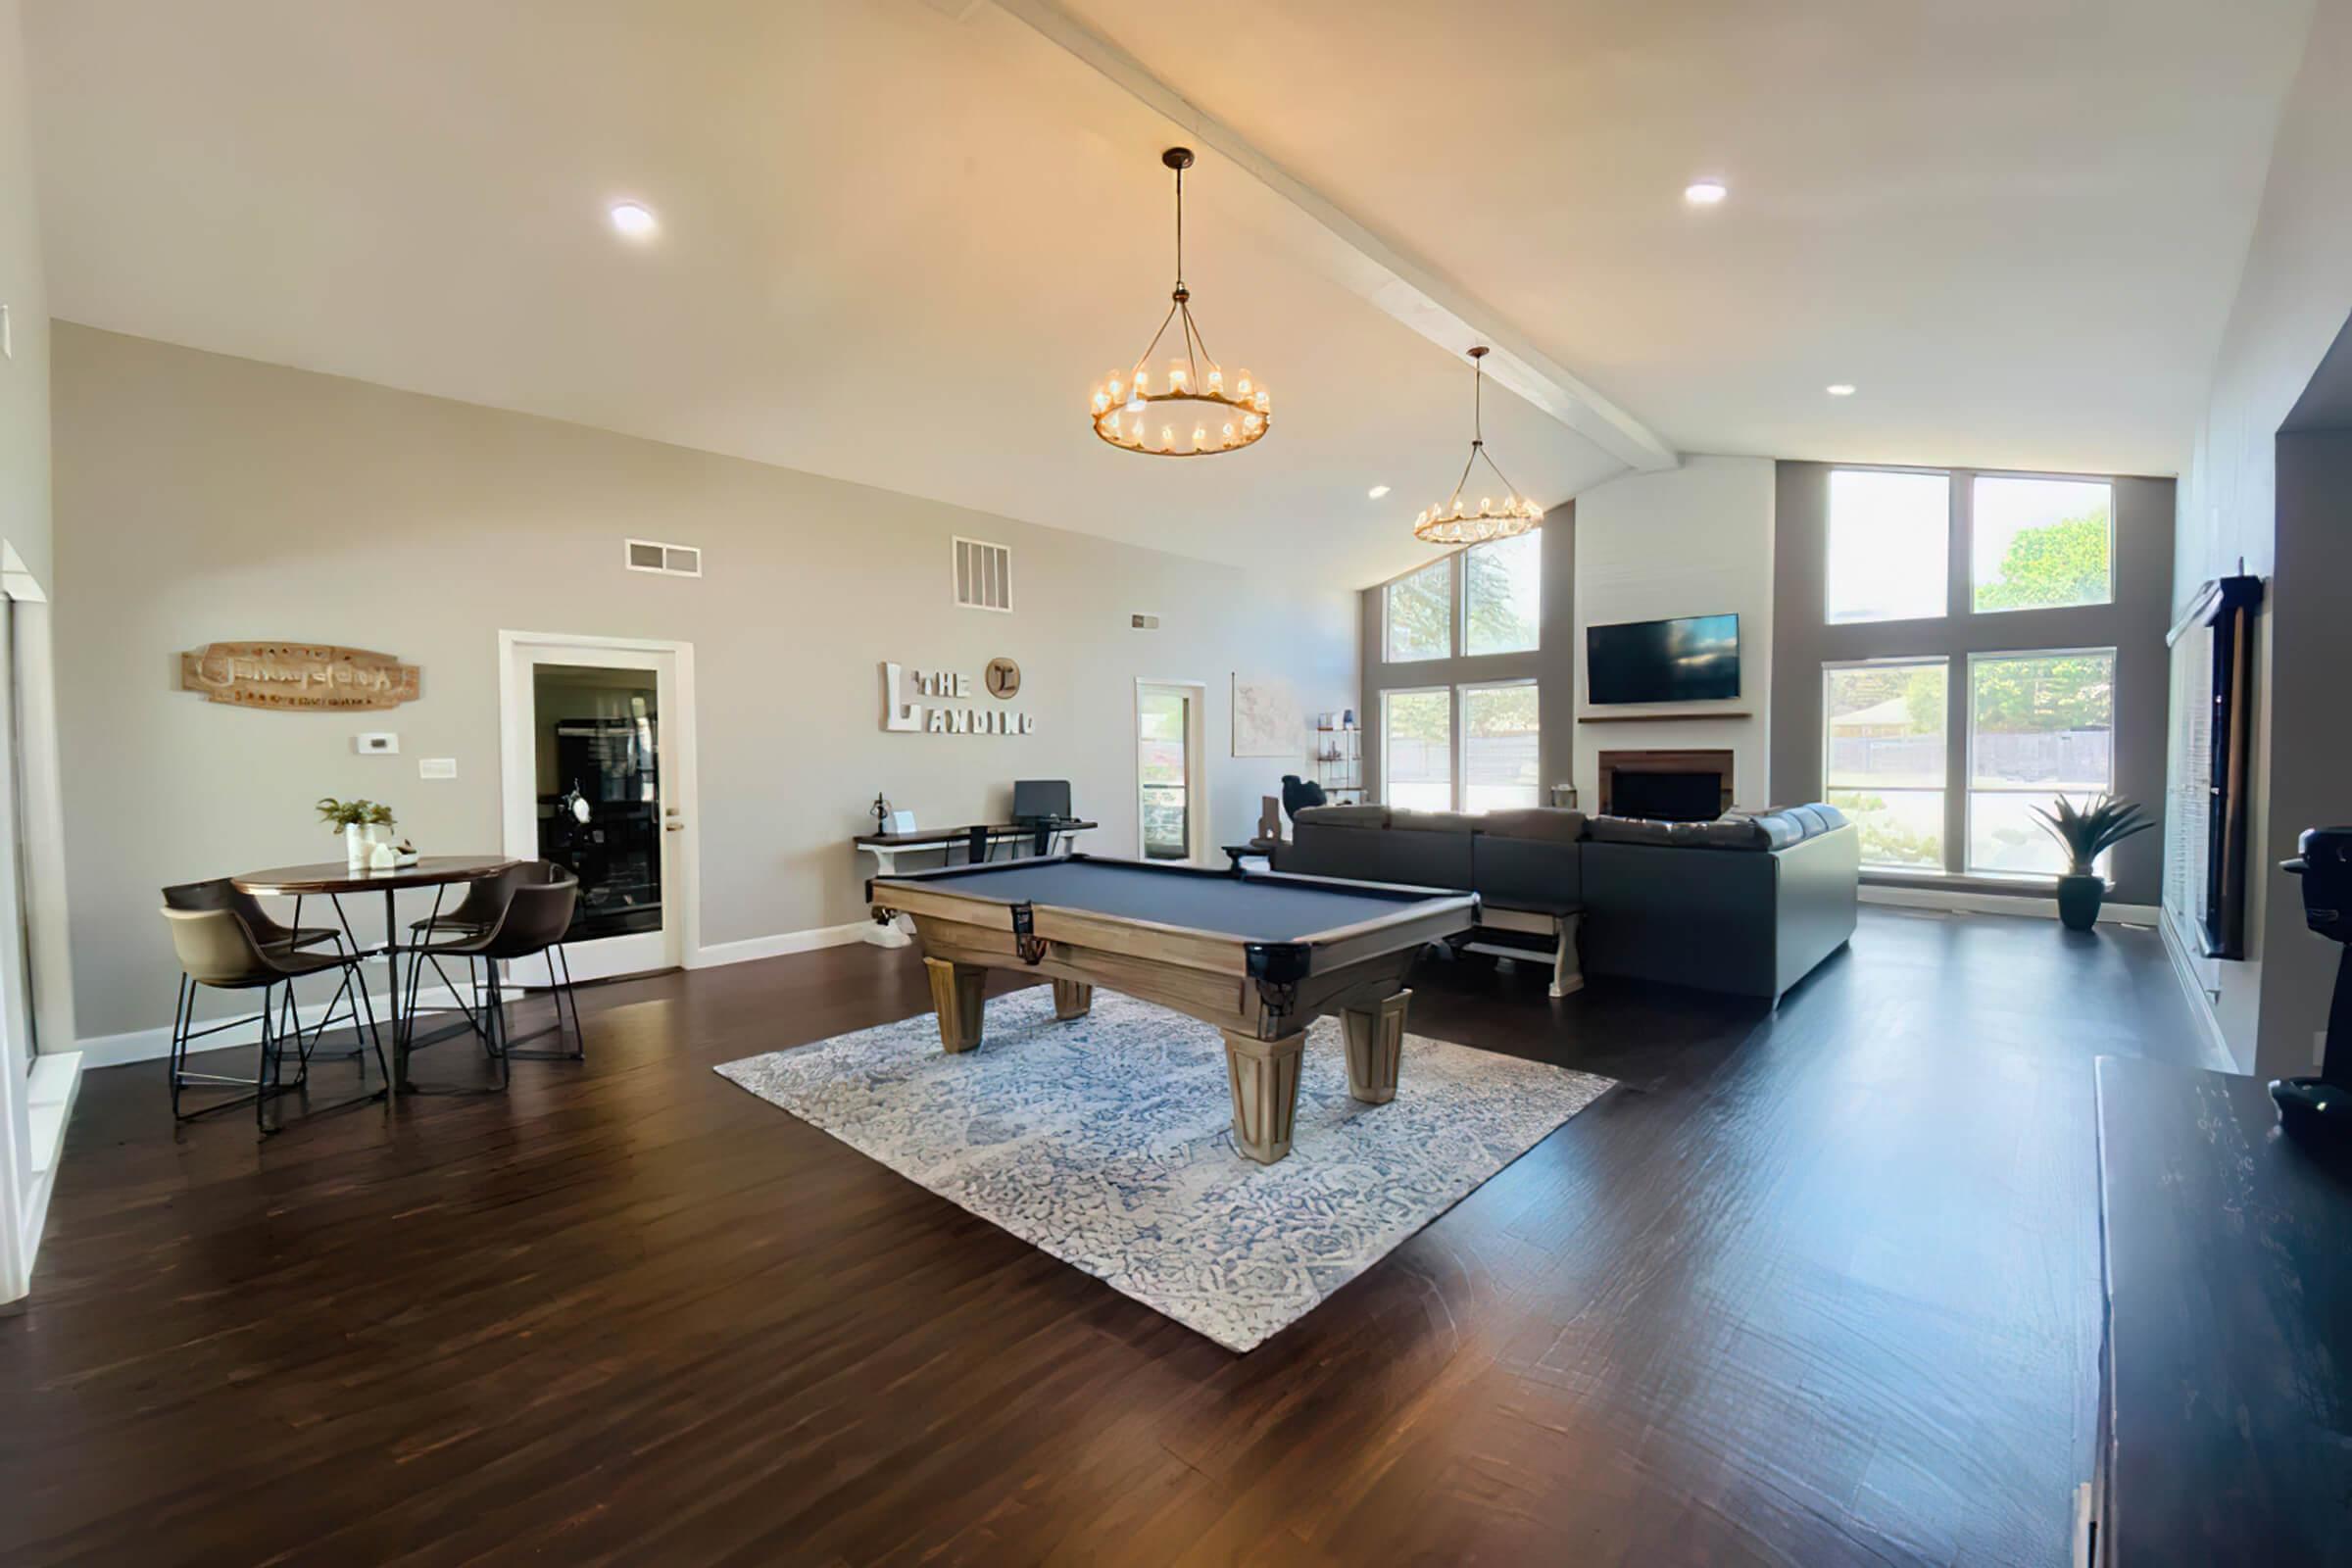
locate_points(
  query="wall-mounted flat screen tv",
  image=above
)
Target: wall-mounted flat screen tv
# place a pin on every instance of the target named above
(1692, 660)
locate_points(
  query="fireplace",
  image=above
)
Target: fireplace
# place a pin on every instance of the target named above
(1666, 786)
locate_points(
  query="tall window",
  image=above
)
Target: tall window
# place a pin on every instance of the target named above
(1419, 612)
(1889, 539)
(1500, 739)
(1883, 757)
(1416, 748)
(2041, 544)
(2038, 726)
(1502, 594)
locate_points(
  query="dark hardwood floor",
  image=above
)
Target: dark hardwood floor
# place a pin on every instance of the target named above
(1813, 1287)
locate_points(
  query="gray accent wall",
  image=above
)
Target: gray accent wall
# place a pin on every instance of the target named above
(2134, 625)
(205, 498)
(1551, 665)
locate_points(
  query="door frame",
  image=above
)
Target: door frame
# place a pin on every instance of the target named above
(1196, 766)
(519, 791)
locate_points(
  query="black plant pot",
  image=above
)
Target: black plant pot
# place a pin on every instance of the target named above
(2079, 901)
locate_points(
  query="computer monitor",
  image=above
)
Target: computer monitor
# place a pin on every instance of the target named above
(1041, 800)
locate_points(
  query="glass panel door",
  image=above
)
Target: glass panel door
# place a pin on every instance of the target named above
(597, 736)
(1163, 728)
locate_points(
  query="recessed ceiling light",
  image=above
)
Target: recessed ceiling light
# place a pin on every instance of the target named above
(633, 218)
(1376, 492)
(1704, 192)
(1839, 389)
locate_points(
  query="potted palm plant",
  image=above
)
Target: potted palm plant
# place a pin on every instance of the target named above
(2086, 834)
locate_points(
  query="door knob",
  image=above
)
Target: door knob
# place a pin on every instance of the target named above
(672, 825)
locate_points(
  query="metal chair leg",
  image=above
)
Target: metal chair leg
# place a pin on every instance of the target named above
(263, 1068)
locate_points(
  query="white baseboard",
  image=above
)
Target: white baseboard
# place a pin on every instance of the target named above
(50, 1090)
(154, 1045)
(2200, 1004)
(784, 942)
(2026, 905)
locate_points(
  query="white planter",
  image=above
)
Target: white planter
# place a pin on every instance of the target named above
(359, 840)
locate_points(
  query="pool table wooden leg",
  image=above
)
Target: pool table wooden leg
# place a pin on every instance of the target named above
(1375, 1047)
(1072, 998)
(956, 998)
(1265, 1092)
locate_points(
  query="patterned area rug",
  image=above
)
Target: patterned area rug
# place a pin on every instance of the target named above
(1107, 1141)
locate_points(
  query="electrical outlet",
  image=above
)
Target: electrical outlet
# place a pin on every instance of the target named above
(437, 767)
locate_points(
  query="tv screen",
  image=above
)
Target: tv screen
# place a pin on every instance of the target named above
(1687, 661)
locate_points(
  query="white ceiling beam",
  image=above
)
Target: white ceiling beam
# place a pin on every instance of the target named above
(1401, 286)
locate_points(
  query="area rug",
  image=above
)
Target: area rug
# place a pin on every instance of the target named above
(1107, 1141)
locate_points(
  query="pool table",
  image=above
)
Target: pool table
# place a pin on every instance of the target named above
(1259, 956)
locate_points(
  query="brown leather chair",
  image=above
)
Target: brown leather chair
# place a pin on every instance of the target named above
(220, 893)
(537, 913)
(219, 949)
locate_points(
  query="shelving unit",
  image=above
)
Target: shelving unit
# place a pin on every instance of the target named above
(1340, 763)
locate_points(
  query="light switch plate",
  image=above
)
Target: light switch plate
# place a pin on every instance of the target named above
(437, 767)
(377, 743)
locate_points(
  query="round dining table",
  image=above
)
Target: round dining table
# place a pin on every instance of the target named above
(336, 880)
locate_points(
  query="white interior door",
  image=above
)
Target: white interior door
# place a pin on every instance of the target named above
(598, 747)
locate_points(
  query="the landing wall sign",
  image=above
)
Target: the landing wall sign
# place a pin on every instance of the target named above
(938, 702)
(297, 678)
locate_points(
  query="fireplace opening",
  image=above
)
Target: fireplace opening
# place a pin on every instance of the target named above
(1666, 796)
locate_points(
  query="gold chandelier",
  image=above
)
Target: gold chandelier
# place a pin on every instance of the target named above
(1453, 522)
(1193, 412)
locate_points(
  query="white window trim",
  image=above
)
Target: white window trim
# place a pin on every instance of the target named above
(1894, 662)
(1968, 785)
(1461, 734)
(1951, 531)
(1975, 474)
(1453, 727)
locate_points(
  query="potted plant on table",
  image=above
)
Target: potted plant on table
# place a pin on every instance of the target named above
(2086, 834)
(364, 825)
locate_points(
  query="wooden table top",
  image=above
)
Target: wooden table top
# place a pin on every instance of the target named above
(336, 876)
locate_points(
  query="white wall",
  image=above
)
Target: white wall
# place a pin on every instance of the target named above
(1696, 540)
(2293, 296)
(204, 498)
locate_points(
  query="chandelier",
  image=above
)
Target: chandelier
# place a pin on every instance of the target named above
(1191, 412)
(1452, 521)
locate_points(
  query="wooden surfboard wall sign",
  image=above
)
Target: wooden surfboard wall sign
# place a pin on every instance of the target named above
(297, 678)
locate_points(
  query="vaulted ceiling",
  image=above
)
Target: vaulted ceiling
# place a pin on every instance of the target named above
(900, 238)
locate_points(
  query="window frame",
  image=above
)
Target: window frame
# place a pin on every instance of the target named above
(1454, 616)
(1943, 792)
(1462, 598)
(2105, 865)
(1952, 529)
(1461, 735)
(1977, 476)
(1454, 726)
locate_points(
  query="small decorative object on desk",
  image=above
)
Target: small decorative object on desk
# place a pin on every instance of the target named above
(2086, 835)
(364, 825)
(383, 857)
(404, 853)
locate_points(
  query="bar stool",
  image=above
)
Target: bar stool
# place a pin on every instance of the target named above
(220, 893)
(538, 913)
(218, 949)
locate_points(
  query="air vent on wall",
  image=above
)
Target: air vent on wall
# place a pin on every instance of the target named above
(673, 561)
(983, 575)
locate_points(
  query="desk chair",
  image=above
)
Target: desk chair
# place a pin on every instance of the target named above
(220, 893)
(537, 914)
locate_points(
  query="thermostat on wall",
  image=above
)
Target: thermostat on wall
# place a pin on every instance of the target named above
(377, 743)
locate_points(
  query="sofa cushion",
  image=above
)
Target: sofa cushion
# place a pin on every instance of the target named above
(1628, 830)
(1404, 819)
(1343, 816)
(1545, 824)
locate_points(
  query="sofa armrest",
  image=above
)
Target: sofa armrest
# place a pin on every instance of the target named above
(1816, 902)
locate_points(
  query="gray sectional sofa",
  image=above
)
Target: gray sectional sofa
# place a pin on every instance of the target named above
(1746, 904)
